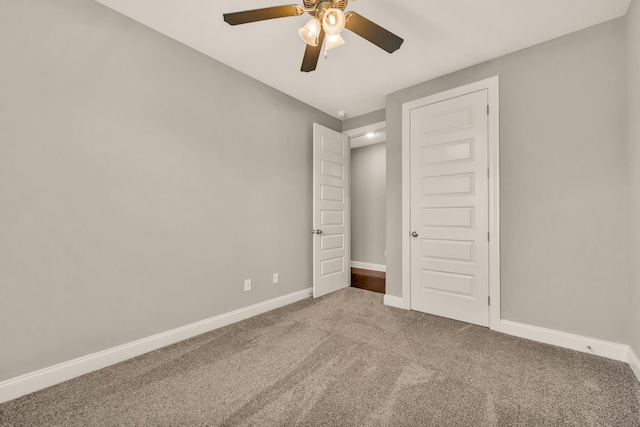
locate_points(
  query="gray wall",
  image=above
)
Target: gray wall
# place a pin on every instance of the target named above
(563, 159)
(140, 181)
(633, 51)
(364, 120)
(368, 203)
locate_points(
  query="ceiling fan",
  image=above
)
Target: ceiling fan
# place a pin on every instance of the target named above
(328, 19)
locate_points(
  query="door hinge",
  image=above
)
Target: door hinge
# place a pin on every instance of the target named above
(489, 300)
(488, 172)
(487, 110)
(488, 236)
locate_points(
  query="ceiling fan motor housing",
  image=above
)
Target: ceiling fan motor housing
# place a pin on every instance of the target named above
(318, 7)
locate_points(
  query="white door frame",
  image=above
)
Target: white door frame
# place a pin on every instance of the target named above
(358, 136)
(492, 86)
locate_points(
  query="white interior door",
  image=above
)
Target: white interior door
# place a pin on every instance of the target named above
(449, 208)
(331, 255)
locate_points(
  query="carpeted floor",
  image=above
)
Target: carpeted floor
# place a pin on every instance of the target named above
(344, 360)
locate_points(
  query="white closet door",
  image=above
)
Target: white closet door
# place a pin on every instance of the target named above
(449, 209)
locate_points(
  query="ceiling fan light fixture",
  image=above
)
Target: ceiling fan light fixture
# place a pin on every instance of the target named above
(333, 21)
(327, 22)
(333, 41)
(310, 32)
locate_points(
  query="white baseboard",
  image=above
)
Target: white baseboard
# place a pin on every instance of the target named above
(634, 363)
(563, 339)
(392, 301)
(368, 266)
(34, 381)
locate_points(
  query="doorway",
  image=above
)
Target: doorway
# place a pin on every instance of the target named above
(368, 207)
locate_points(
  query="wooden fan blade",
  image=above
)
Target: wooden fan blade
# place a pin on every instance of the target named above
(373, 32)
(255, 15)
(311, 55)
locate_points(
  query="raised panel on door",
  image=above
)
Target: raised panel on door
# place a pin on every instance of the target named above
(449, 208)
(330, 211)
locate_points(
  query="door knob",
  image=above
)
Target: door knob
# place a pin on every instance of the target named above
(318, 231)
(414, 233)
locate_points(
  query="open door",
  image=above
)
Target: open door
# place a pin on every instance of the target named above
(331, 241)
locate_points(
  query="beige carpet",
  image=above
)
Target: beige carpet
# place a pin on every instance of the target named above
(344, 360)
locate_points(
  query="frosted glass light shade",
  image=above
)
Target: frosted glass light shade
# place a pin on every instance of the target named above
(334, 40)
(333, 21)
(310, 32)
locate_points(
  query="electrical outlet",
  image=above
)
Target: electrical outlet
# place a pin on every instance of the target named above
(276, 279)
(247, 285)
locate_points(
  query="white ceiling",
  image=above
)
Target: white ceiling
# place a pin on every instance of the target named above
(440, 36)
